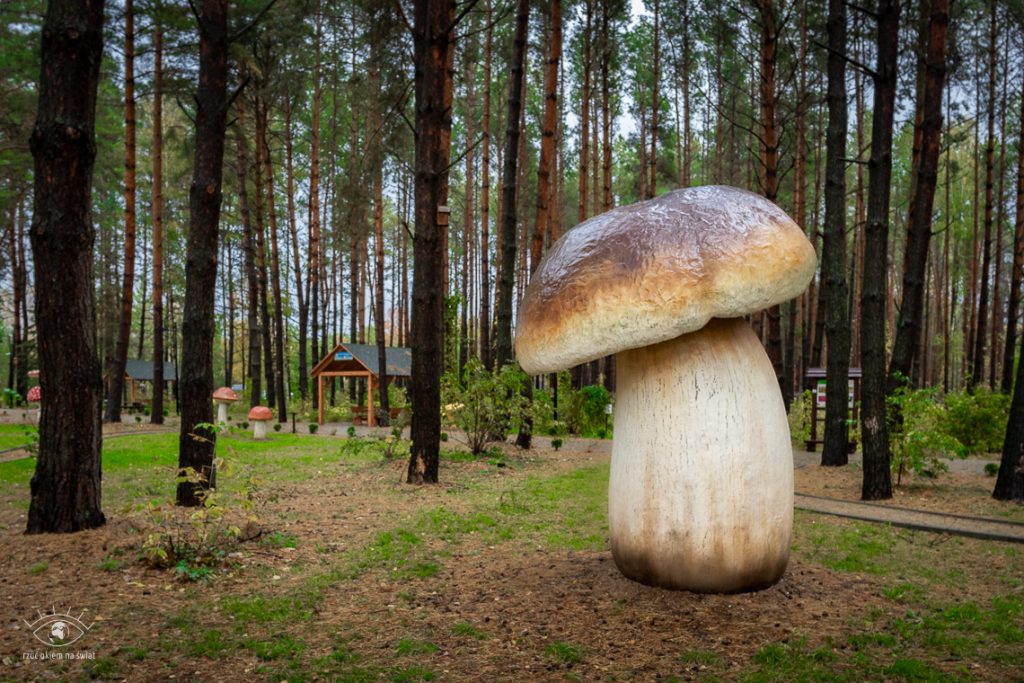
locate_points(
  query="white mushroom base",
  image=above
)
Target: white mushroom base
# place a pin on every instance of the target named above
(701, 491)
(222, 415)
(259, 430)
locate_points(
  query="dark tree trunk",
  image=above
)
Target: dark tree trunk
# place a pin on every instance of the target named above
(275, 276)
(378, 250)
(432, 36)
(877, 483)
(1010, 482)
(485, 201)
(156, 415)
(907, 346)
(66, 485)
(303, 304)
(1017, 273)
(980, 333)
(503, 341)
(196, 445)
(124, 330)
(833, 251)
(313, 276)
(248, 254)
(260, 244)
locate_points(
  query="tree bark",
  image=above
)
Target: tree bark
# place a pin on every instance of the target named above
(485, 200)
(275, 275)
(124, 330)
(196, 373)
(65, 489)
(156, 413)
(1017, 273)
(503, 345)
(547, 145)
(432, 36)
(652, 185)
(907, 346)
(303, 304)
(249, 258)
(980, 334)
(313, 262)
(877, 483)
(1010, 481)
(833, 251)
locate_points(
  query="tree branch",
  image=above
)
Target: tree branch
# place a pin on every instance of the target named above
(849, 60)
(255, 20)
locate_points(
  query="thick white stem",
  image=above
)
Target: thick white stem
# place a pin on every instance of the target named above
(259, 430)
(701, 491)
(222, 414)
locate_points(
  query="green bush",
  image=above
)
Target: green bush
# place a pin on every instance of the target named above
(313, 426)
(489, 405)
(351, 431)
(277, 426)
(556, 443)
(977, 420)
(991, 469)
(916, 439)
(800, 417)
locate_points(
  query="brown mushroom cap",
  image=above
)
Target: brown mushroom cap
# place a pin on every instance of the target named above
(225, 394)
(652, 271)
(261, 413)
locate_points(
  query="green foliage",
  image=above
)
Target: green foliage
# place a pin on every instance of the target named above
(10, 397)
(800, 417)
(991, 469)
(556, 443)
(278, 539)
(38, 567)
(565, 654)
(917, 440)
(408, 646)
(488, 405)
(464, 628)
(313, 426)
(977, 420)
(277, 426)
(109, 564)
(583, 412)
(194, 540)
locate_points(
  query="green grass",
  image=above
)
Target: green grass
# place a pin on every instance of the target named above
(38, 567)
(466, 629)
(565, 654)
(409, 646)
(12, 435)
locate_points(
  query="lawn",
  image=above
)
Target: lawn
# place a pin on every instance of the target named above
(501, 572)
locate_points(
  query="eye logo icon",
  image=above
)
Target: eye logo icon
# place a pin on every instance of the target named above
(58, 630)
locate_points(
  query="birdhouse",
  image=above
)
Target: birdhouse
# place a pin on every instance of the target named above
(443, 211)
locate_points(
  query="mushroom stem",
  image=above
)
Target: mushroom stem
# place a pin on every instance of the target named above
(222, 414)
(701, 490)
(259, 430)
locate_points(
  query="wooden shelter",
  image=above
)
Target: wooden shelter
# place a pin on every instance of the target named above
(360, 360)
(818, 375)
(136, 370)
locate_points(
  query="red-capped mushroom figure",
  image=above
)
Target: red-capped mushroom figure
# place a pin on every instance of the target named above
(224, 397)
(260, 416)
(35, 395)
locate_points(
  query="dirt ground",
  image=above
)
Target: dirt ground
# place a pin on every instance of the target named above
(519, 600)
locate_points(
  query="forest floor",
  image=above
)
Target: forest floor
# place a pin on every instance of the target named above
(501, 572)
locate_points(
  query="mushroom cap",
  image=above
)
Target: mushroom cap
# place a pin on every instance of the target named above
(33, 373)
(225, 394)
(652, 271)
(35, 394)
(261, 413)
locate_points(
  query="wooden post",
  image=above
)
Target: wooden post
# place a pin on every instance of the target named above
(320, 396)
(369, 401)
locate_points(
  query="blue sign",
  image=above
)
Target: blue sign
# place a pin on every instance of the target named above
(343, 355)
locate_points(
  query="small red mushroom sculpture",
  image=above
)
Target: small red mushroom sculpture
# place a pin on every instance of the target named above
(223, 397)
(35, 395)
(260, 416)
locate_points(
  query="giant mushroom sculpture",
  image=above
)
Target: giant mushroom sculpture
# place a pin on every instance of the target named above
(701, 489)
(260, 416)
(224, 397)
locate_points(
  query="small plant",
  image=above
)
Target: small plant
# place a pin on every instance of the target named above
(915, 438)
(464, 628)
(313, 426)
(108, 564)
(556, 443)
(10, 397)
(245, 425)
(279, 540)
(38, 568)
(351, 431)
(277, 426)
(138, 419)
(444, 437)
(991, 469)
(394, 447)
(192, 573)
(565, 654)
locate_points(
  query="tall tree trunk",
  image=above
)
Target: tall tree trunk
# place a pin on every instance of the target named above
(547, 145)
(907, 346)
(432, 36)
(581, 214)
(485, 200)
(303, 304)
(253, 371)
(503, 345)
(313, 262)
(124, 330)
(835, 291)
(877, 483)
(1010, 481)
(196, 374)
(275, 276)
(145, 295)
(652, 186)
(1017, 272)
(261, 256)
(980, 334)
(65, 488)
(378, 248)
(156, 413)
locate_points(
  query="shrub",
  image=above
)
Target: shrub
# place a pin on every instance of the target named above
(277, 426)
(245, 425)
(800, 417)
(991, 469)
(916, 439)
(488, 405)
(313, 426)
(977, 420)
(556, 443)
(351, 431)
